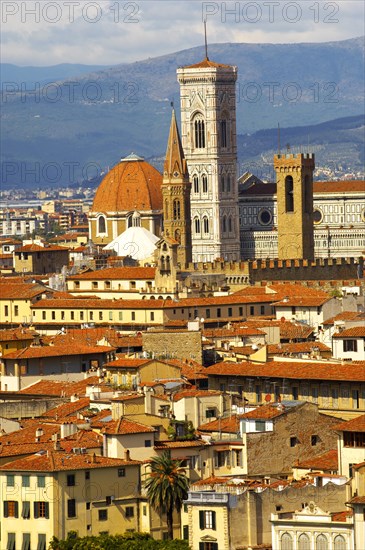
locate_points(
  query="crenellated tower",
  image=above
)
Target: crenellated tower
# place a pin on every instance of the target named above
(294, 177)
(176, 188)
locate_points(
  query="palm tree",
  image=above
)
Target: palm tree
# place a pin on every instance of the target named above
(167, 486)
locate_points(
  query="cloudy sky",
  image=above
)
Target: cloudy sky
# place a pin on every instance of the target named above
(108, 32)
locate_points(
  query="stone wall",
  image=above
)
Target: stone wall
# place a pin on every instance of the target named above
(28, 408)
(182, 344)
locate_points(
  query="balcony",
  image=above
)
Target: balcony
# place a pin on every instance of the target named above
(214, 498)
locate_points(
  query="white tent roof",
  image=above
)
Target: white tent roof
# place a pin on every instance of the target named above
(137, 242)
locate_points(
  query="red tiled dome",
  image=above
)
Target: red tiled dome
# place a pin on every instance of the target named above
(133, 184)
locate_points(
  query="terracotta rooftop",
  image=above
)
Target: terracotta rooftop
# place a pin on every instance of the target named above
(357, 500)
(354, 332)
(46, 248)
(121, 273)
(293, 370)
(344, 316)
(56, 351)
(127, 363)
(207, 64)
(16, 334)
(225, 425)
(20, 290)
(67, 409)
(183, 394)
(131, 185)
(59, 388)
(355, 425)
(265, 412)
(327, 462)
(126, 427)
(235, 330)
(55, 461)
(303, 301)
(160, 445)
(297, 347)
(341, 516)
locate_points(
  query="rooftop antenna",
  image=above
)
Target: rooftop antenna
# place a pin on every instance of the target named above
(278, 139)
(206, 41)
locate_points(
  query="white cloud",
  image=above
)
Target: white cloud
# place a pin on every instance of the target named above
(123, 31)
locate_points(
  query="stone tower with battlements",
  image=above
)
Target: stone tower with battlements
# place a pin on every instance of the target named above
(294, 175)
(176, 188)
(208, 132)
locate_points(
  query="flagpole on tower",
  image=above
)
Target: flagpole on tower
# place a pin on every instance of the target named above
(206, 41)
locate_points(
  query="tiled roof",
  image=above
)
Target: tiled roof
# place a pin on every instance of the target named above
(37, 248)
(293, 370)
(212, 480)
(127, 363)
(193, 372)
(28, 435)
(326, 461)
(10, 290)
(225, 425)
(355, 425)
(16, 334)
(183, 394)
(357, 500)
(120, 273)
(303, 301)
(82, 438)
(344, 316)
(56, 351)
(55, 387)
(297, 347)
(97, 303)
(294, 331)
(126, 427)
(341, 516)
(130, 185)
(354, 332)
(207, 64)
(160, 445)
(265, 412)
(68, 409)
(54, 461)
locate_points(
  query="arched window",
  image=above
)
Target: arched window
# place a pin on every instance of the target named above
(223, 184)
(321, 542)
(101, 225)
(205, 183)
(286, 542)
(199, 132)
(303, 542)
(224, 224)
(197, 225)
(228, 183)
(224, 140)
(339, 543)
(176, 209)
(308, 199)
(196, 184)
(130, 221)
(230, 224)
(289, 194)
(205, 225)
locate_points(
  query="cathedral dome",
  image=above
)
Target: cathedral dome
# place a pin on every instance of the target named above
(133, 184)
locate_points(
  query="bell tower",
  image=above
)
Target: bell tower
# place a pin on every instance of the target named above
(208, 133)
(176, 188)
(294, 177)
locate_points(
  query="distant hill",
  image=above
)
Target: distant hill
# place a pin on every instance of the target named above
(28, 76)
(95, 118)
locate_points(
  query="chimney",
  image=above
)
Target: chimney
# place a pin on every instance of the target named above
(57, 445)
(127, 455)
(38, 434)
(93, 458)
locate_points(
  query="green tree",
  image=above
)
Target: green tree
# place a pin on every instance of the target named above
(167, 486)
(128, 541)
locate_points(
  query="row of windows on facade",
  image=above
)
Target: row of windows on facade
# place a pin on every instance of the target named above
(329, 399)
(303, 542)
(26, 542)
(91, 317)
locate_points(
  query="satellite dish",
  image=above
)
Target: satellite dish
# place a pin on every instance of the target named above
(254, 346)
(202, 320)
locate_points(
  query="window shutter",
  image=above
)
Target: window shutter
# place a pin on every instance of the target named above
(46, 510)
(201, 519)
(26, 510)
(36, 510)
(213, 521)
(215, 546)
(201, 545)
(16, 509)
(26, 541)
(6, 513)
